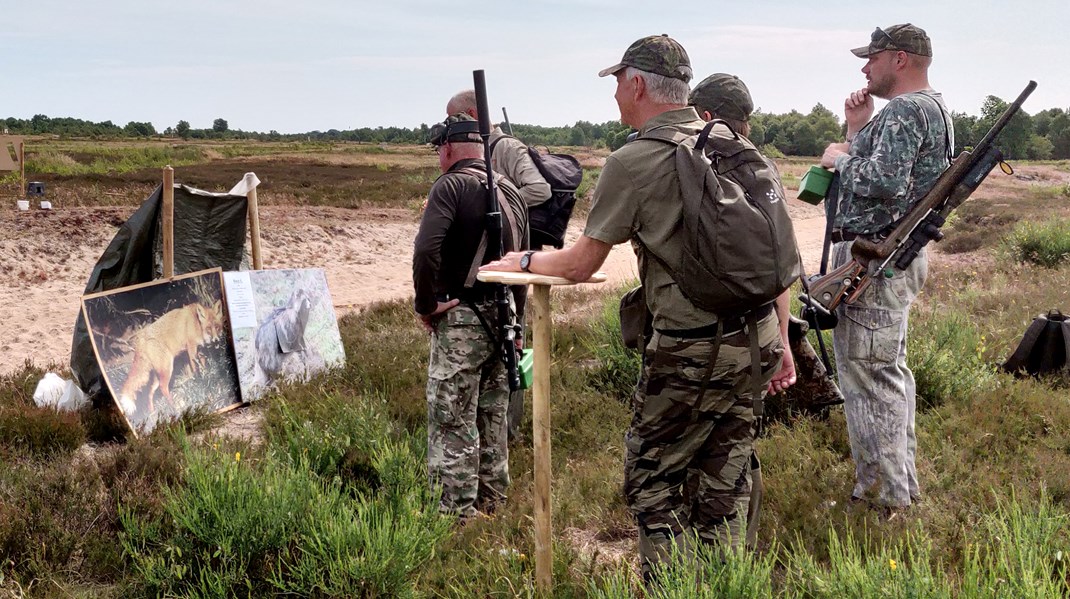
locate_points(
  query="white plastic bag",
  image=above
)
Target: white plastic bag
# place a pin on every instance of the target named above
(53, 391)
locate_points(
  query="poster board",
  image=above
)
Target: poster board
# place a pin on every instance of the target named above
(283, 325)
(163, 348)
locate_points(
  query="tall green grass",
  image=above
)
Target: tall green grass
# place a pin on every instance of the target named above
(293, 520)
(96, 159)
(1046, 243)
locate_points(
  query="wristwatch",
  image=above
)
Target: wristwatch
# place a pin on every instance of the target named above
(525, 261)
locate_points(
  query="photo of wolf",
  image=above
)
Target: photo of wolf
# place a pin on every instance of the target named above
(284, 327)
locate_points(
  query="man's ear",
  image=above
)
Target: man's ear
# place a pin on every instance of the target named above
(706, 116)
(640, 88)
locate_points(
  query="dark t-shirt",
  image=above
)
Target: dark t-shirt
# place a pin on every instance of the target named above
(450, 231)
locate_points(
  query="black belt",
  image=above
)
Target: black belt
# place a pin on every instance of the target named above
(730, 326)
(468, 295)
(839, 236)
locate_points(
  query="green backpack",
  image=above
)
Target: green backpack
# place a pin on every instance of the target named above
(739, 248)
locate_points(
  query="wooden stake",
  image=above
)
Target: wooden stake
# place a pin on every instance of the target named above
(544, 554)
(540, 408)
(254, 222)
(168, 222)
(22, 168)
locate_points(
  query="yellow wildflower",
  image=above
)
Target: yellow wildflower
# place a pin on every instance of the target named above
(892, 564)
(237, 457)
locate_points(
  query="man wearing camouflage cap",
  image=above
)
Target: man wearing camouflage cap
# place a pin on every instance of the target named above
(888, 163)
(725, 97)
(467, 390)
(688, 447)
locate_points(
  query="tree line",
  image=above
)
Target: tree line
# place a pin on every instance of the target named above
(1042, 136)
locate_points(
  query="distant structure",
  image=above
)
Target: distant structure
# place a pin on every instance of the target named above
(12, 157)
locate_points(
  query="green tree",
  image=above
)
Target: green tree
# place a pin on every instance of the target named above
(182, 129)
(1059, 134)
(1016, 135)
(220, 125)
(136, 129)
(965, 130)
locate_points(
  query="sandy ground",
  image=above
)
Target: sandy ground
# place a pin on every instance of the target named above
(46, 258)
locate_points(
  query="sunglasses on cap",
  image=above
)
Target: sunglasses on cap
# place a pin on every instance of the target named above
(881, 35)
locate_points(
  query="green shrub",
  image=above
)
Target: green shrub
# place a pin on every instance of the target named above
(946, 353)
(272, 525)
(616, 368)
(1045, 243)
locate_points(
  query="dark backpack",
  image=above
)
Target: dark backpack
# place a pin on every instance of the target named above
(549, 219)
(1044, 349)
(739, 245)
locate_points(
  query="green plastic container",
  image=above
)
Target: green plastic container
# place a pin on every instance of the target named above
(814, 185)
(527, 361)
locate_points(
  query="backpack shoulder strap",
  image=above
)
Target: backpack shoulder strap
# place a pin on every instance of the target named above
(510, 218)
(495, 142)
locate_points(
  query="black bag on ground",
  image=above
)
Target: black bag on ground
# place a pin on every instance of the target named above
(1044, 347)
(549, 220)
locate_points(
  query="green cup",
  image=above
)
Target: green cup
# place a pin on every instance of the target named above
(814, 185)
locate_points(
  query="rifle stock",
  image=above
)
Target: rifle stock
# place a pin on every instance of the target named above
(920, 225)
(506, 341)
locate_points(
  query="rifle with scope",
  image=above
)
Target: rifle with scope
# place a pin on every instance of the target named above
(915, 230)
(507, 339)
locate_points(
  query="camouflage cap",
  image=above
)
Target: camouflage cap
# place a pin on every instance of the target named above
(724, 96)
(658, 54)
(458, 127)
(908, 38)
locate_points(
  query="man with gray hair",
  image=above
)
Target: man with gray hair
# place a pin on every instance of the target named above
(509, 155)
(693, 426)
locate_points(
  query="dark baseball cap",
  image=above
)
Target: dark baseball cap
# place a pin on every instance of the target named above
(458, 127)
(724, 96)
(658, 54)
(907, 38)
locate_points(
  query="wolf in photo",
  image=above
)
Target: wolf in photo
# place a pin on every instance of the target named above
(158, 344)
(280, 340)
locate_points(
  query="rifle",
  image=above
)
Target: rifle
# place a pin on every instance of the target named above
(920, 226)
(508, 126)
(507, 339)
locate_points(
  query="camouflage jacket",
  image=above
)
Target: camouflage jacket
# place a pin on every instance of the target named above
(893, 162)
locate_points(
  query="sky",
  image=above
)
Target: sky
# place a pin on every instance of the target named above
(305, 65)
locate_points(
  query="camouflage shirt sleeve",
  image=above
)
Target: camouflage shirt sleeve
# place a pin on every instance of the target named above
(875, 175)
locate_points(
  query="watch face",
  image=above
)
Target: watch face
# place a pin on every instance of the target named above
(525, 261)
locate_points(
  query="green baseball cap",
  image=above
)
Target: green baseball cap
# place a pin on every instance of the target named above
(908, 38)
(724, 96)
(658, 54)
(458, 127)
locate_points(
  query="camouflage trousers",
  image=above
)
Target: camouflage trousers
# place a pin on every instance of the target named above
(467, 398)
(870, 343)
(688, 454)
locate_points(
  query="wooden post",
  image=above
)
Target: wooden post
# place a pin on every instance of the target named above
(254, 221)
(22, 168)
(168, 222)
(540, 407)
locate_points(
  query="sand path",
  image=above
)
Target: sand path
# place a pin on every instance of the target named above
(47, 256)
